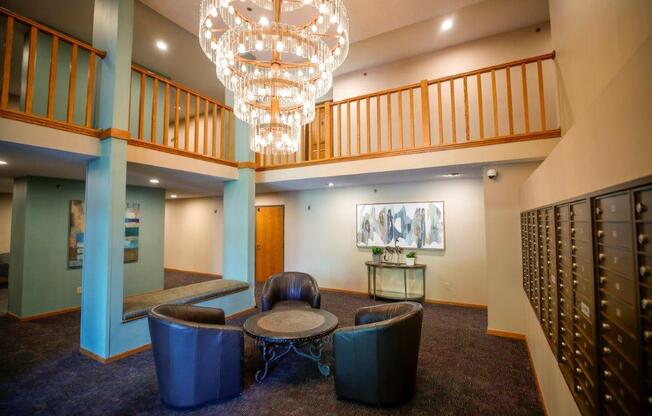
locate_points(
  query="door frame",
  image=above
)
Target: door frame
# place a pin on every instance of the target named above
(283, 228)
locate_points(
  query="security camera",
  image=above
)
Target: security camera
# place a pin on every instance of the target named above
(492, 173)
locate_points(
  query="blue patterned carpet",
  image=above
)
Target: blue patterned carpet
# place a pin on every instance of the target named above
(462, 371)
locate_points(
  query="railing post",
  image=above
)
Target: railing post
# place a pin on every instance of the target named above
(329, 131)
(425, 113)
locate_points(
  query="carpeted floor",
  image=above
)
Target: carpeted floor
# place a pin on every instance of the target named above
(462, 371)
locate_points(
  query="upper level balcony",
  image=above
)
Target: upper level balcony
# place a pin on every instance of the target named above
(50, 79)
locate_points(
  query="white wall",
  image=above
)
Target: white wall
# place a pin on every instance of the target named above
(5, 222)
(321, 241)
(193, 234)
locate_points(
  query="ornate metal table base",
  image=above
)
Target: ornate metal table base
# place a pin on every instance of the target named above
(312, 350)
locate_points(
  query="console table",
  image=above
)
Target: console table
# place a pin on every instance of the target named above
(389, 295)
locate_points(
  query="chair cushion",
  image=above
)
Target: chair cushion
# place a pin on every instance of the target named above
(291, 304)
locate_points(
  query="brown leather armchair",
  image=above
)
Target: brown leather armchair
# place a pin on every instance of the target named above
(290, 290)
(376, 360)
(198, 359)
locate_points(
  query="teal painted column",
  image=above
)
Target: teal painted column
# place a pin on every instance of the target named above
(103, 270)
(239, 214)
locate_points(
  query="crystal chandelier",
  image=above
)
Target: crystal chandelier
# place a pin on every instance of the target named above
(277, 57)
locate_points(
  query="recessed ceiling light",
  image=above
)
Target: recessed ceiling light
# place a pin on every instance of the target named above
(153, 180)
(2, 162)
(173, 196)
(161, 45)
(452, 175)
(446, 24)
(331, 184)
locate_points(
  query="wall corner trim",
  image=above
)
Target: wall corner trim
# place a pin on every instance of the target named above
(505, 334)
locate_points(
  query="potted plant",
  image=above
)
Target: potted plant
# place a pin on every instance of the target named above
(410, 258)
(376, 252)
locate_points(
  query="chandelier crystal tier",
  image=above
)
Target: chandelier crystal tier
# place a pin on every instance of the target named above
(278, 58)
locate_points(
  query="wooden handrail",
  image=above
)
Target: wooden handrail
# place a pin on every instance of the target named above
(41, 27)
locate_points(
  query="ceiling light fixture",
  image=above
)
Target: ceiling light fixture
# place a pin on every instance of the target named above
(173, 196)
(331, 184)
(161, 45)
(153, 180)
(446, 24)
(452, 175)
(276, 68)
(2, 162)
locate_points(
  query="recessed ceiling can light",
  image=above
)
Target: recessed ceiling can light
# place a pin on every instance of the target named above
(331, 184)
(452, 175)
(173, 196)
(2, 162)
(161, 45)
(447, 24)
(153, 180)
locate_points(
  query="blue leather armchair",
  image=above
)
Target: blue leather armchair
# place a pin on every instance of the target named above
(290, 290)
(198, 359)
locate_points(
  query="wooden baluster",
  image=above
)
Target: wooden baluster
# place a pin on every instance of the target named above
(52, 84)
(526, 109)
(186, 128)
(154, 110)
(348, 128)
(6, 62)
(510, 111)
(389, 121)
(467, 129)
(223, 138)
(311, 126)
(197, 124)
(357, 144)
(230, 135)
(339, 130)
(425, 112)
(441, 114)
(400, 119)
(542, 102)
(141, 106)
(205, 148)
(90, 89)
(214, 143)
(318, 133)
(368, 121)
(379, 139)
(31, 65)
(480, 108)
(177, 104)
(453, 120)
(166, 114)
(412, 139)
(494, 97)
(329, 132)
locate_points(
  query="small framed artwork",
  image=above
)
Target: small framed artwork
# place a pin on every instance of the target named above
(417, 225)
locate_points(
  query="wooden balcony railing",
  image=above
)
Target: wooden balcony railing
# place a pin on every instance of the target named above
(48, 77)
(169, 116)
(504, 103)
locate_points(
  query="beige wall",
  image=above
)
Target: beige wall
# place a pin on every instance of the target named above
(193, 234)
(502, 229)
(604, 59)
(321, 241)
(5, 222)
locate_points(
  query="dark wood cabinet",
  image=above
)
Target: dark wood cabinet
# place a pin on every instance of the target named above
(587, 272)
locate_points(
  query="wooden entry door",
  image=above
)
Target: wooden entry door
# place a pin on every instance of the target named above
(270, 237)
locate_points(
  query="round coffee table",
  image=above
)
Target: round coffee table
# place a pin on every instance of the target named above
(304, 331)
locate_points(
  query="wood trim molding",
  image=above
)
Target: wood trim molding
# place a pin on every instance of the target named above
(45, 122)
(459, 304)
(536, 378)
(505, 334)
(247, 165)
(43, 315)
(114, 133)
(179, 152)
(344, 291)
(427, 149)
(117, 357)
(215, 275)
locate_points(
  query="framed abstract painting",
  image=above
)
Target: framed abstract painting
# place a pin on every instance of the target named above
(417, 225)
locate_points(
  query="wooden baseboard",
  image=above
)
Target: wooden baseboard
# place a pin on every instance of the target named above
(215, 275)
(536, 378)
(460, 304)
(120, 356)
(505, 334)
(43, 315)
(344, 291)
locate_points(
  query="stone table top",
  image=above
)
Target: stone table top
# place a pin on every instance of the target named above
(290, 325)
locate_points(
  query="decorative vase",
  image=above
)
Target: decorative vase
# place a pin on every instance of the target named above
(410, 261)
(376, 258)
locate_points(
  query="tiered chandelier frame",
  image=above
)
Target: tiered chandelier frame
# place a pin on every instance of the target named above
(276, 70)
